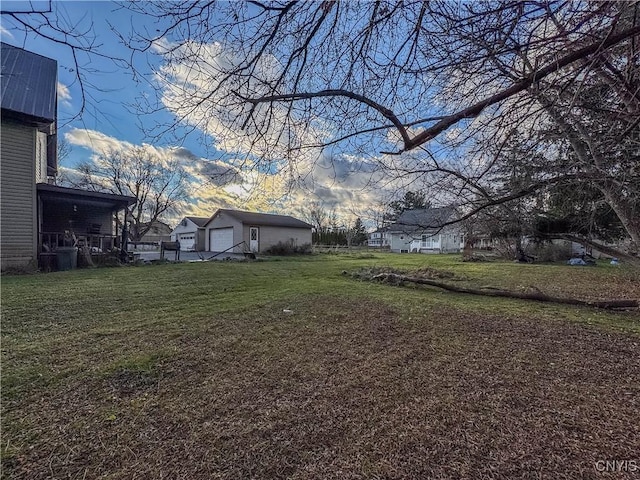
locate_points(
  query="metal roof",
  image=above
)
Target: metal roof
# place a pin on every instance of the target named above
(265, 219)
(28, 83)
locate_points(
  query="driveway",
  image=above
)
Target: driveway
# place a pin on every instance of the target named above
(187, 256)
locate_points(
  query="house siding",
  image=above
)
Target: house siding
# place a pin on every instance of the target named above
(270, 236)
(201, 240)
(450, 240)
(159, 232)
(398, 244)
(18, 207)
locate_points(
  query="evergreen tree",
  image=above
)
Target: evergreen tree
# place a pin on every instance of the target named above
(410, 201)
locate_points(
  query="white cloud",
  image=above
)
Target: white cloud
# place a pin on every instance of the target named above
(64, 95)
(6, 34)
(190, 81)
(95, 141)
(213, 183)
(276, 174)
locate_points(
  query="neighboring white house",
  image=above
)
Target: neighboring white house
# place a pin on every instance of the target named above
(422, 231)
(378, 238)
(238, 231)
(191, 233)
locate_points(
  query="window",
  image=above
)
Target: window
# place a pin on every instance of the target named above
(428, 241)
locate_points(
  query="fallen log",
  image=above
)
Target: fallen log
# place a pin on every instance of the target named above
(538, 297)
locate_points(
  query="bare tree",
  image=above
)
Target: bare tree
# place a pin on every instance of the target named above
(419, 90)
(318, 216)
(63, 149)
(158, 184)
(427, 87)
(50, 21)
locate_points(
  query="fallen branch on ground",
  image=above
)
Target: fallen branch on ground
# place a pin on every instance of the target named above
(538, 297)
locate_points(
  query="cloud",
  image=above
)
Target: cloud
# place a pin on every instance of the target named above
(95, 141)
(64, 95)
(214, 183)
(264, 143)
(6, 34)
(187, 81)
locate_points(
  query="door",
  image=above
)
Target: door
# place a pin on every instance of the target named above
(187, 241)
(220, 239)
(253, 239)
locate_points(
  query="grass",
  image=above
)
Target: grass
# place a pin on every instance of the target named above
(289, 369)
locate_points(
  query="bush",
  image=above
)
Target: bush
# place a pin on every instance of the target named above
(550, 252)
(288, 248)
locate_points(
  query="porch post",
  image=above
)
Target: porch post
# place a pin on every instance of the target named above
(125, 235)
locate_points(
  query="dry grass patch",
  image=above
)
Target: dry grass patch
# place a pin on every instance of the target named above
(343, 388)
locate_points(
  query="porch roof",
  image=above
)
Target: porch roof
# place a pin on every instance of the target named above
(65, 194)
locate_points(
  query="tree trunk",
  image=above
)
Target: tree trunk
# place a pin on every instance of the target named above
(629, 217)
(538, 297)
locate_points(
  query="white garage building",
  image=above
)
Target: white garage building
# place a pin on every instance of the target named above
(238, 231)
(191, 234)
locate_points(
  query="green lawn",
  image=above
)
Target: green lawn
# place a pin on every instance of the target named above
(287, 368)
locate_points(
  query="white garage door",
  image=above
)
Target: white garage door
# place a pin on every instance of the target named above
(187, 241)
(220, 239)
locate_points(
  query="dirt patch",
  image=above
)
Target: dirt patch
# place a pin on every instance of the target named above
(128, 383)
(348, 389)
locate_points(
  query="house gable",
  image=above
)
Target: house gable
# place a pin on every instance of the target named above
(187, 224)
(221, 220)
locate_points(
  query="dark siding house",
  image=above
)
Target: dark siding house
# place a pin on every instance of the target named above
(34, 213)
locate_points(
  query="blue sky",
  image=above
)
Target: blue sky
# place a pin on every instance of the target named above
(111, 87)
(109, 120)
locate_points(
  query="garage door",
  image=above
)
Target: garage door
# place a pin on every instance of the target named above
(220, 239)
(187, 241)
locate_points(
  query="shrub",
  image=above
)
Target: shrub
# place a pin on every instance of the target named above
(288, 248)
(550, 252)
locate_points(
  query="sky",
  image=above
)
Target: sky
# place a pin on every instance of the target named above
(110, 122)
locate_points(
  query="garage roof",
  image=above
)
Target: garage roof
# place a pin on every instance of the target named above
(266, 219)
(199, 221)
